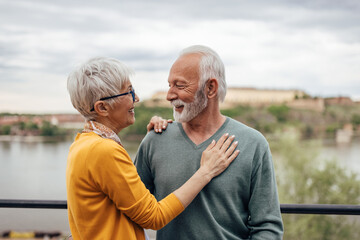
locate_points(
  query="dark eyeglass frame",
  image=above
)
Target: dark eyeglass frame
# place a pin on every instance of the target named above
(132, 92)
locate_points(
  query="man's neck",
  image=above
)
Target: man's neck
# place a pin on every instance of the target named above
(203, 126)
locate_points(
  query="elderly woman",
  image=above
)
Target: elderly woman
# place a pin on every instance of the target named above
(106, 198)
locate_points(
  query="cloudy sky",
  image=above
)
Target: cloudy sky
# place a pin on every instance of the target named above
(312, 45)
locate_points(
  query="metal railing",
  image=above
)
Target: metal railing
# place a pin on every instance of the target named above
(328, 209)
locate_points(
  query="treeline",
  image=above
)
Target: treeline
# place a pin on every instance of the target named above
(310, 124)
(31, 128)
(268, 119)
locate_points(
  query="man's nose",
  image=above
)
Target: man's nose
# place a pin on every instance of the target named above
(171, 95)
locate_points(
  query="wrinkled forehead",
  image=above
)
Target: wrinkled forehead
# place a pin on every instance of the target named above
(186, 66)
(190, 59)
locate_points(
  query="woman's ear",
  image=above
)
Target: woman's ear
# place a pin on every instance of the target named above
(212, 88)
(101, 108)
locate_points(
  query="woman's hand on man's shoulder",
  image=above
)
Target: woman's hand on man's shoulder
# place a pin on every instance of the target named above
(158, 124)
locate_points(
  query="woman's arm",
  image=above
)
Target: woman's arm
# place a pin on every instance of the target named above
(215, 159)
(120, 181)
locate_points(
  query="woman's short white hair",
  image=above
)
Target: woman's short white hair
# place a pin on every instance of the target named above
(211, 66)
(97, 78)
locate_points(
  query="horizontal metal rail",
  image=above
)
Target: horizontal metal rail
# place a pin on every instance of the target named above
(49, 204)
(328, 209)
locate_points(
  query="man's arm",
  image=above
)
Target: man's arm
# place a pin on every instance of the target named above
(265, 218)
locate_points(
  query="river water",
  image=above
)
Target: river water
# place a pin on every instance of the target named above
(37, 171)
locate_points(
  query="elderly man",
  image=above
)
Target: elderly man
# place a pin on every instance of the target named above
(243, 202)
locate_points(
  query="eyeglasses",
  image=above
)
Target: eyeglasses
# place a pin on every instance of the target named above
(132, 92)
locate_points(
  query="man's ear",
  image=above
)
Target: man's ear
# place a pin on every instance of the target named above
(101, 108)
(212, 86)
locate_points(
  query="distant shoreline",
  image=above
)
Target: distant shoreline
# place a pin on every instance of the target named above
(30, 139)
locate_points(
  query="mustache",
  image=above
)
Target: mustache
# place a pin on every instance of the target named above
(177, 102)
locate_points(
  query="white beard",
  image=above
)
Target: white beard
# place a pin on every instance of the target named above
(191, 110)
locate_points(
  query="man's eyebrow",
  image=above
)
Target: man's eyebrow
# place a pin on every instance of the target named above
(178, 81)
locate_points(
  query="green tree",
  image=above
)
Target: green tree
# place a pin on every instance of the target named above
(31, 126)
(355, 119)
(331, 128)
(5, 129)
(280, 112)
(47, 129)
(22, 125)
(236, 111)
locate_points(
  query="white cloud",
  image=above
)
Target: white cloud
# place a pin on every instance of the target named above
(311, 45)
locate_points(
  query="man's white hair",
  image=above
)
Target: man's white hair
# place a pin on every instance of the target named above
(211, 66)
(97, 78)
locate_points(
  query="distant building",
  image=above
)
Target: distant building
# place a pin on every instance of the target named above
(344, 101)
(314, 104)
(10, 120)
(71, 121)
(258, 97)
(345, 134)
(244, 96)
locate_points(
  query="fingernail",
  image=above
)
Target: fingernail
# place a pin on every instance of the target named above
(236, 143)
(232, 136)
(164, 126)
(160, 130)
(226, 134)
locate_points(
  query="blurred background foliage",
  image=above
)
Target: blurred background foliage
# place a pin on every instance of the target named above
(305, 178)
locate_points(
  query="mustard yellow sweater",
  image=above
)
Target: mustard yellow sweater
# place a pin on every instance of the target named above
(106, 198)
